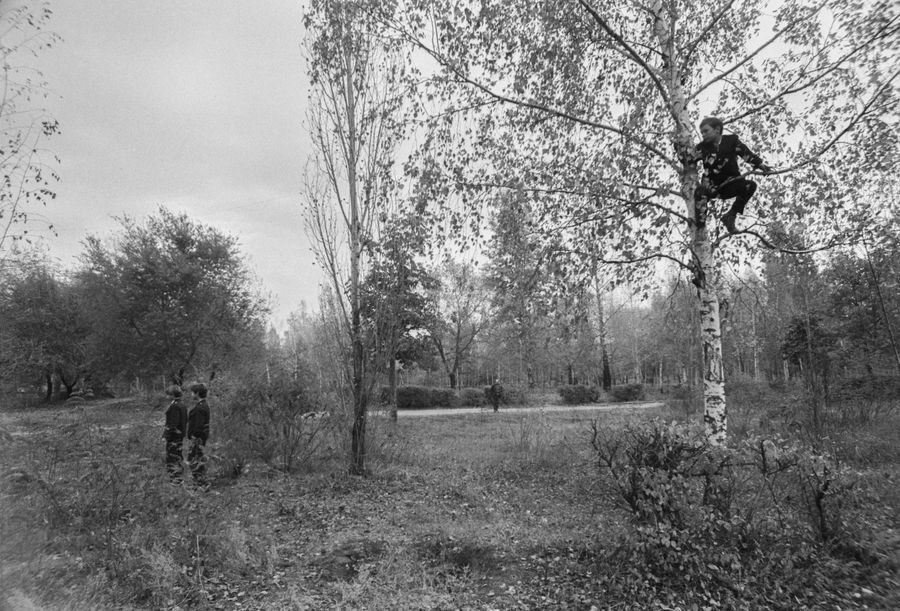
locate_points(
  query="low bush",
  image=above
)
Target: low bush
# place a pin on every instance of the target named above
(704, 517)
(508, 396)
(514, 396)
(472, 397)
(627, 392)
(279, 423)
(413, 397)
(578, 394)
(685, 400)
(443, 397)
(423, 397)
(872, 388)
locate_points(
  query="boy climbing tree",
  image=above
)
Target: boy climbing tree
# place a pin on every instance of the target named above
(722, 179)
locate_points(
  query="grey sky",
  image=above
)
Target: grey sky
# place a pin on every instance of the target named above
(192, 104)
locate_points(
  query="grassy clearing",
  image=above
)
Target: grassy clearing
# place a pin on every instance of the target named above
(482, 511)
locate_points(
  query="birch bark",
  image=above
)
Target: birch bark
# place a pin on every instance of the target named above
(705, 267)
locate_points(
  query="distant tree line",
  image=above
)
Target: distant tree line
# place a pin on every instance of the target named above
(514, 317)
(167, 298)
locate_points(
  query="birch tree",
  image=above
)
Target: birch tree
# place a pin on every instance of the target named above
(353, 120)
(593, 106)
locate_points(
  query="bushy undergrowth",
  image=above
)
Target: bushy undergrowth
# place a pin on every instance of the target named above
(96, 501)
(578, 394)
(712, 524)
(684, 400)
(426, 397)
(479, 505)
(627, 392)
(423, 397)
(279, 423)
(472, 397)
(868, 388)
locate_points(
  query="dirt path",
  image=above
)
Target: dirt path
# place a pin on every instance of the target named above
(457, 411)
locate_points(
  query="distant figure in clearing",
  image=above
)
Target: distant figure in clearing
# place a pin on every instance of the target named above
(496, 393)
(722, 178)
(173, 433)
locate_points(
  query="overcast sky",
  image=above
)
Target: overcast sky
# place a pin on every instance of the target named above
(192, 104)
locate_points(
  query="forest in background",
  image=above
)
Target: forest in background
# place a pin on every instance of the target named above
(170, 300)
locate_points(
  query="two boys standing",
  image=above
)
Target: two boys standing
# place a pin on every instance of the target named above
(194, 424)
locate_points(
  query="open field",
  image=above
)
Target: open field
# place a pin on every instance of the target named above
(489, 511)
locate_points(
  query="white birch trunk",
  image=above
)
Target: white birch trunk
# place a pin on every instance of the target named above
(714, 408)
(704, 262)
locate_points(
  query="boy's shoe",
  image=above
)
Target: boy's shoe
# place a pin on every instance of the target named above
(728, 220)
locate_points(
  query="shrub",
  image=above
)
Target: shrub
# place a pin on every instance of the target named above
(669, 474)
(423, 397)
(278, 422)
(413, 397)
(473, 397)
(706, 517)
(685, 400)
(628, 392)
(872, 388)
(443, 397)
(514, 396)
(578, 394)
(508, 395)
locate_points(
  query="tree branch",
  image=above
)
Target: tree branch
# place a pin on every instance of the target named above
(689, 50)
(749, 57)
(443, 61)
(633, 54)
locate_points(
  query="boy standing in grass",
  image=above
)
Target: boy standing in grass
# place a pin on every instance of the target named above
(719, 153)
(173, 433)
(198, 433)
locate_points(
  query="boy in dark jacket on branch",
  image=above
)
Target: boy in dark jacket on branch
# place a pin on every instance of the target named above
(173, 433)
(198, 433)
(719, 153)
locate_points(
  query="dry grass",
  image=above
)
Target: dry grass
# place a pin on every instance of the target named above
(459, 512)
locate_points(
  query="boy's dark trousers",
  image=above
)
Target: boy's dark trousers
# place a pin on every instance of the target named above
(173, 460)
(740, 189)
(197, 461)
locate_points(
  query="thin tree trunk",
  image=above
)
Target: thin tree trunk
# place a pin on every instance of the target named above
(601, 324)
(48, 378)
(705, 271)
(358, 432)
(392, 386)
(884, 314)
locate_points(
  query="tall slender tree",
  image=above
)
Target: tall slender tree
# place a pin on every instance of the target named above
(356, 100)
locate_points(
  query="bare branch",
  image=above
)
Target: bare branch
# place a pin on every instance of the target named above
(791, 250)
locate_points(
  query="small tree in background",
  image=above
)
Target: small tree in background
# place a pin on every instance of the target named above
(394, 299)
(168, 295)
(44, 335)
